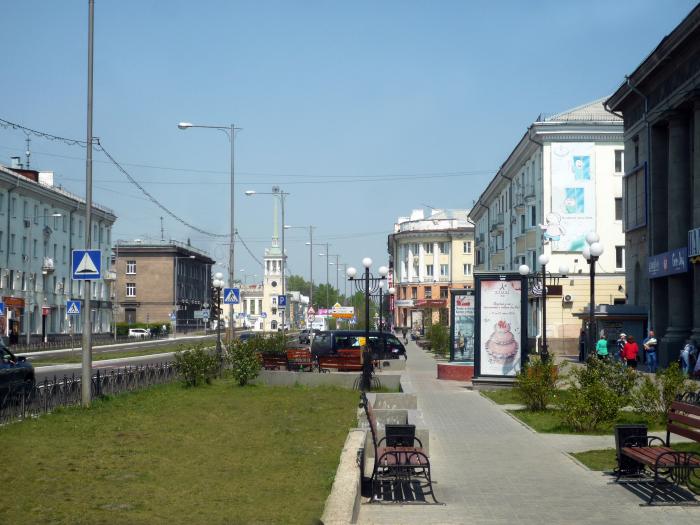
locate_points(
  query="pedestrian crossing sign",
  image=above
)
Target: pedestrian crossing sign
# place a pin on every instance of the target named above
(72, 307)
(232, 295)
(2, 309)
(86, 265)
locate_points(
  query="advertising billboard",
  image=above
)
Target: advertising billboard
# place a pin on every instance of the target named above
(501, 324)
(462, 326)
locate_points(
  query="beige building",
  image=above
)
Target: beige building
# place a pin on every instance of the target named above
(156, 279)
(428, 257)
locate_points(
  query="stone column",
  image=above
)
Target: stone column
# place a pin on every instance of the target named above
(679, 222)
(695, 269)
(658, 224)
(409, 262)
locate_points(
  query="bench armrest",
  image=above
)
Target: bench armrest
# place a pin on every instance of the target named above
(680, 459)
(643, 441)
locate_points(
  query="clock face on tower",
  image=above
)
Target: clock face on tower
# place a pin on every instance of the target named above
(273, 284)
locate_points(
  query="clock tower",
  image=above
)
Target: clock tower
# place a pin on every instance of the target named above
(272, 282)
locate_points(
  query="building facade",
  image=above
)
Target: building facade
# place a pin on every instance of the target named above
(40, 225)
(562, 180)
(660, 103)
(429, 256)
(153, 280)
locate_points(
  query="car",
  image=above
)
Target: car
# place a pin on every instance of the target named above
(244, 336)
(14, 370)
(305, 336)
(383, 345)
(139, 332)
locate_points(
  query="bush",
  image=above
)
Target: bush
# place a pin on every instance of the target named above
(654, 399)
(273, 344)
(536, 383)
(438, 337)
(242, 358)
(196, 366)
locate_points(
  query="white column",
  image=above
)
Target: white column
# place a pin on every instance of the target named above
(421, 262)
(436, 261)
(409, 262)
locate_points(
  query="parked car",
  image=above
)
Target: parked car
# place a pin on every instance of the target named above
(139, 332)
(14, 371)
(305, 336)
(383, 345)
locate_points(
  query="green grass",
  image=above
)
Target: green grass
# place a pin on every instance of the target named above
(605, 459)
(215, 454)
(101, 356)
(551, 421)
(508, 396)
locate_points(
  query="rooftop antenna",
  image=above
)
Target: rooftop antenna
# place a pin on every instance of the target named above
(162, 231)
(28, 153)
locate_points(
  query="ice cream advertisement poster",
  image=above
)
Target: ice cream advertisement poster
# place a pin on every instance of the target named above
(500, 344)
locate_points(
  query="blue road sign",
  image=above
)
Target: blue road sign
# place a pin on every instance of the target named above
(2, 309)
(232, 295)
(73, 307)
(173, 316)
(282, 301)
(86, 265)
(263, 315)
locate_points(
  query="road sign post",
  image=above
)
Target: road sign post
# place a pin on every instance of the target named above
(232, 295)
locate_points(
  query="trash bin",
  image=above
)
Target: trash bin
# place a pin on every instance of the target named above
(623, 433)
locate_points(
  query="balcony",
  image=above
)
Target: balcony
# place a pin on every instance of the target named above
(47, 266)
(497, 224)
(519, 203)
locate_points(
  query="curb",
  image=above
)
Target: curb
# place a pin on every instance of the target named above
(343, 503)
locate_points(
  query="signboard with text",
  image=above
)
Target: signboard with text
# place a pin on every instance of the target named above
(668, 263)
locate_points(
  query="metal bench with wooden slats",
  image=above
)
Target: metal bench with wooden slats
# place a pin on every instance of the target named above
(299, 359)
(668, 465)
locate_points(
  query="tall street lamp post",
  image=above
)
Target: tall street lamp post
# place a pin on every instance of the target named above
(328, 263)
(230, 132)
(369, 285)
(217, 285)
(592, 251)
(326, 244)
(311, 258)
(282, 195)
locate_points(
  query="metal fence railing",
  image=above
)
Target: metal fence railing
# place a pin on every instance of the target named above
(24, 401)
(66, 343)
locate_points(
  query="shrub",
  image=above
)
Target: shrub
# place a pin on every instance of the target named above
(536, 383)
(654, 399)
(242, 358)
(438, 337)
(196, 366)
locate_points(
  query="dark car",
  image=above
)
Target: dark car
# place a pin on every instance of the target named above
(305, 336)
(244, 336)
(382, 344)
(14, 371)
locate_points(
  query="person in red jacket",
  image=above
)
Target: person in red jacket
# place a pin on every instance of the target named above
(630, 351)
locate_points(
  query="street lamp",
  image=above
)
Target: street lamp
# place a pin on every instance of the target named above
(276, 191)
(218, 284)
(592, 251)
(368, 285)
(344, 267)
(326, 244)
(524, 270)
(311, 257)
(337, 262)
(230, 132)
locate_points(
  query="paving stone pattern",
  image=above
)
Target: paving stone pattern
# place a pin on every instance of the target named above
(490, 469)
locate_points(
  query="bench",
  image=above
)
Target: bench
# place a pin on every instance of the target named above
(655, 455)
(274, 362)
(346, 360)
(396, 466)
(299, 359)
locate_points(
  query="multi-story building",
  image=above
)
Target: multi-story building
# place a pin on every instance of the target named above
(40, 225)
(661, 109)
(155, 279)
(563, 178)
(429, 256)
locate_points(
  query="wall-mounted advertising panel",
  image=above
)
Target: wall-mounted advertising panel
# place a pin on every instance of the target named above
(500, 339)
(462, 326)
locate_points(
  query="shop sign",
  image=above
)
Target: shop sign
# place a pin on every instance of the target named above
(404, 303)
(668, 263)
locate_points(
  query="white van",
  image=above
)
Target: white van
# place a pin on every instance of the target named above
(139, 332)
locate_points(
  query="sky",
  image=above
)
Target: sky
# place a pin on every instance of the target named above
(361, 111)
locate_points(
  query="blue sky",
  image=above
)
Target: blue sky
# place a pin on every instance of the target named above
(361, 110)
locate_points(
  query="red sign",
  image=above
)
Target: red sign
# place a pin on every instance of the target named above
(311, 310)
(432, 303)
(45, 310)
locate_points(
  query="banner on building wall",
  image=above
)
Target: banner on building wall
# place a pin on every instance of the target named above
(462, 326)
(500, 339)
(573, 196)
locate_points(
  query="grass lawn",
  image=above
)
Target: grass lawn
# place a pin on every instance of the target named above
(551, 421)
(102, 355)
(605, 459)
(215, 454)
(508, 396)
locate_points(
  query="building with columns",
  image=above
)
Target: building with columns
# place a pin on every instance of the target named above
(660, 104)
(563, 178)
(429, 256)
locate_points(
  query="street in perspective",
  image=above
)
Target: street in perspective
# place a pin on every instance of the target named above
(336, 263)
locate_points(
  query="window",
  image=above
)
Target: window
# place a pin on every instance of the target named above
(444, 270)
(55, 222)
(619, 257)
(634, 199)
(80, 228)
(429, 270)
(131, 289)
(274, 301)
(619, 161)
(130, 267)
(34, 249)
(252, 307)
(445, 248)
(1, 245)
(404, 291)
(414, 292)
(428, 247)
(636, 150)
(13, 206)
(46, 216)
(444, 292)
(65, 224)
(467, 269)
(428, 292)
(533, 216)
(25, 209)
(24, 246)
(55, 252)
(467, 247)
(36, 214)
(618, 208)
(274, 311)
(260, 306)
(2, 201)
(12, 243)
(64, 253)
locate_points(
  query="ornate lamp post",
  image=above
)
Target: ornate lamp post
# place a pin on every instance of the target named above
(217, 285)
(592, 252)
(535, 282)
(368, 285)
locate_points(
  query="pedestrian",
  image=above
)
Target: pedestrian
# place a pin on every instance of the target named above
(630, 351)
(601, 348)
(405, 336)
(582, 346)
(460, 342)
(688, 356)
(650, 344)
(621, 345)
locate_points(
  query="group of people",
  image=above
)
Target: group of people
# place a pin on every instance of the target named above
(628, 352)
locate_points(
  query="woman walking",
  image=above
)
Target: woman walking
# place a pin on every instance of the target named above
(630, 352)
(601, 347)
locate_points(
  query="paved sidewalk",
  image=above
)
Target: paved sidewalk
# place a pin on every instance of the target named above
(490, 469)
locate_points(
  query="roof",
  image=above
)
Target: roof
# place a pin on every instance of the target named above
(590, 112)
(171, 247)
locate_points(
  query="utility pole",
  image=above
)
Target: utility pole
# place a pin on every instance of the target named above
(86, 376)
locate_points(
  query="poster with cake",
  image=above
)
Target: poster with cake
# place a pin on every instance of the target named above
(463, 326)
(500, 325)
